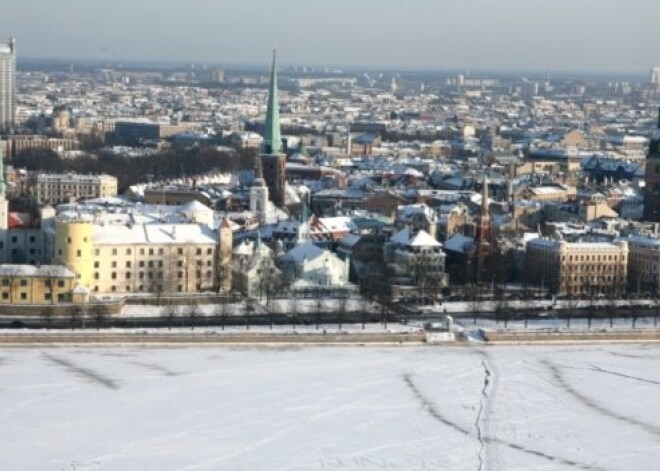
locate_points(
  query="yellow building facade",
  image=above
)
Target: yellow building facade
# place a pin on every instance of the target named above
(145, 258)
(30, 284)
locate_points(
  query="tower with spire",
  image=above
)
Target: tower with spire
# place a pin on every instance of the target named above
(483, 230)
(652, 178)
(273, 160)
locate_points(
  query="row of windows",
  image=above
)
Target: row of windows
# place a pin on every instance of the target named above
(161, 251)
(24, 296)
(592, 258)
(142, 288)
(24, 282)
(152, 264)
(150, 275)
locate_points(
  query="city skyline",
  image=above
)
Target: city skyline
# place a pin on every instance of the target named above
(507, 35)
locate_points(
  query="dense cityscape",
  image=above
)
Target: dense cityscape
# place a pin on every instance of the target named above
(350, 236)
(401, 189)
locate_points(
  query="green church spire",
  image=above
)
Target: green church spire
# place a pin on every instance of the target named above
(272, 144)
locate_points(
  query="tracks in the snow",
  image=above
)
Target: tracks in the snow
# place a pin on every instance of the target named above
(429, 406)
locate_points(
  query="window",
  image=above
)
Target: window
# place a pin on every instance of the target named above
(180, 251)
(113, 275)
(128, 275)
(97, 264)
(47, 296)
(209, 251)
(24, 282)
(141, 264)
(160, 263)
(141, 251)
(128, 251)
(114, 251)
(97, 252)
(209, 263)
(180, 274)
(5, 295)
(114, 264)
(179, 263)
(151, 251)
(32, 239)
(128, 264)
(24, 296)
(68, 240)
(96, 276)
(60, 283)
(198, 251)
(141, 275)
(161, 251)
(151, 264)
(78, 253)
(5, 282)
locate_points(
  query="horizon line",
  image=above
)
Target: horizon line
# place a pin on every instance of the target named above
(96, 61)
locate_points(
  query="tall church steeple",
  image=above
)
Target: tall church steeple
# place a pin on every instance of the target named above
(272, 143)
(272, 159)
(484, 196)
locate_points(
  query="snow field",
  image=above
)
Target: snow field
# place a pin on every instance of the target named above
(349, 408)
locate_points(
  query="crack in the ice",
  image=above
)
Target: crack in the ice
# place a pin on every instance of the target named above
(482, 403)
(428, 405)
(561, 380)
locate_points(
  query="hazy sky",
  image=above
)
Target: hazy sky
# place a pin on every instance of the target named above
(594, 35)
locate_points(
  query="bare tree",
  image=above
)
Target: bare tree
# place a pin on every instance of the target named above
(193, 313)
(52, 275)
(76, 314)
(48, 316)
(170, 313)
(10, 278)
(99, 315)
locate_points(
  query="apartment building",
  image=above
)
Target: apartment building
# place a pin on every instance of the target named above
(644, 264)
(132, 253)
(29, 284)
(577, 269)
(56, 188)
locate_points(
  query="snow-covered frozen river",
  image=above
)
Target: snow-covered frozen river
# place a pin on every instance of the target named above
(409, 408)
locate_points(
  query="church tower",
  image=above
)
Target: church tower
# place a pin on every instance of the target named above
(652, 178)
(225, 253)
(259, 196)
(483, 230)
(273, 160)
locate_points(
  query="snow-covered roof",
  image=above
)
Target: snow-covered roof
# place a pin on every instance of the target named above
(34, 271)
(459, 243)
(304, 251)
(419, 239)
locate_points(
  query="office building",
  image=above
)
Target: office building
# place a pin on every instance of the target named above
(7, 85)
